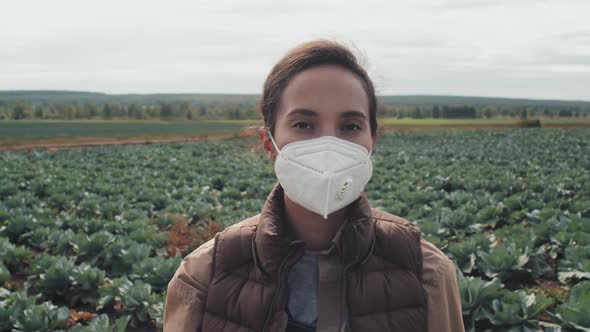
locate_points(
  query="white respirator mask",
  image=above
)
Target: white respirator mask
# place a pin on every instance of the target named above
(323, 174)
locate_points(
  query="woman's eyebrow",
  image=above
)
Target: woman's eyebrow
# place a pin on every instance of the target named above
(353, 114)
(302, 111)
(308, 112)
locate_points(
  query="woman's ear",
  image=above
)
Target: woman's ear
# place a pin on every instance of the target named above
(267, 145)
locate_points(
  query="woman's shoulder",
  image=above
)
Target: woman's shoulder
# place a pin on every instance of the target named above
(250, 222)
(380, 215)
(439, 279)
(436, 265)
(197, 265)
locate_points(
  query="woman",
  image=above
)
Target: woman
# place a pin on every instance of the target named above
(317, 257)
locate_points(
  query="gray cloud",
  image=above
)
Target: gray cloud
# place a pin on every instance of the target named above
(566, 59)
(577, 35)
(518, 48)
(479, 4)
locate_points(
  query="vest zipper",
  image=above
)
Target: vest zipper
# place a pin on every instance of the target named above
(278, 291)
(345, 309)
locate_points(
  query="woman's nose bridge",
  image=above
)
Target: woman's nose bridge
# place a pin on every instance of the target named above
(328, 129)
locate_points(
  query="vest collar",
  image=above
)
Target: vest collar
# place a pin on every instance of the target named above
(272, 244)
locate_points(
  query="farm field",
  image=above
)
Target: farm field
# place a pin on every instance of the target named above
(90, 237)
(45, 132)
(29, 134)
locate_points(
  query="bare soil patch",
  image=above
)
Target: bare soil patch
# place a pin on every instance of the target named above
(59, 144)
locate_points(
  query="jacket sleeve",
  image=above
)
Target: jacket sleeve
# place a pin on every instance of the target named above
(187, 291)
(442, 292)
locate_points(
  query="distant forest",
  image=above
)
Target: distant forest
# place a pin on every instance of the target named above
(74, 105)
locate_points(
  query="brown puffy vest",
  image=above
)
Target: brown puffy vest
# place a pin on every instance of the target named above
(381, 263)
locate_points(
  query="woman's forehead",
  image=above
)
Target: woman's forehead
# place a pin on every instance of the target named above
(325, 89)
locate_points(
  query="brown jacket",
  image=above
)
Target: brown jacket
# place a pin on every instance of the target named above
(202, 295)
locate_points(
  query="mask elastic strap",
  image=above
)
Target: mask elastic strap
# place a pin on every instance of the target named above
(273, 141)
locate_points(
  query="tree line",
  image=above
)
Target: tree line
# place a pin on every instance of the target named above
(165, 111)
(472, 112)
(186, 111)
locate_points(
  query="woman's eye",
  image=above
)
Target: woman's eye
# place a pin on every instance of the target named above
(301, 125)
(352, 126)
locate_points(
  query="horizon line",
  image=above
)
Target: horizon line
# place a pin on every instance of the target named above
(258, 94)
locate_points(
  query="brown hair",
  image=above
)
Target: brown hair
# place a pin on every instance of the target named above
(305, 56)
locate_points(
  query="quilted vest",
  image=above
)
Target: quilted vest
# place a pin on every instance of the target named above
(381, 263)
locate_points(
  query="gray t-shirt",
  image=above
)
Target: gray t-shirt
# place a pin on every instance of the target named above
(303, 290)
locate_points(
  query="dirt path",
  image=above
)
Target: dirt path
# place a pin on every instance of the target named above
(52, 145)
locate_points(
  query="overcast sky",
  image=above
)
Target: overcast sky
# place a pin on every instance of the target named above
(504, 48)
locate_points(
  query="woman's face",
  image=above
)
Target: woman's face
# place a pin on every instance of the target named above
(327, 100)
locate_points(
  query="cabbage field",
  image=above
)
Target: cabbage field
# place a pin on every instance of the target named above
(90, 237)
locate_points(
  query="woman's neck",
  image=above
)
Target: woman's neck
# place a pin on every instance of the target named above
(312, 228)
